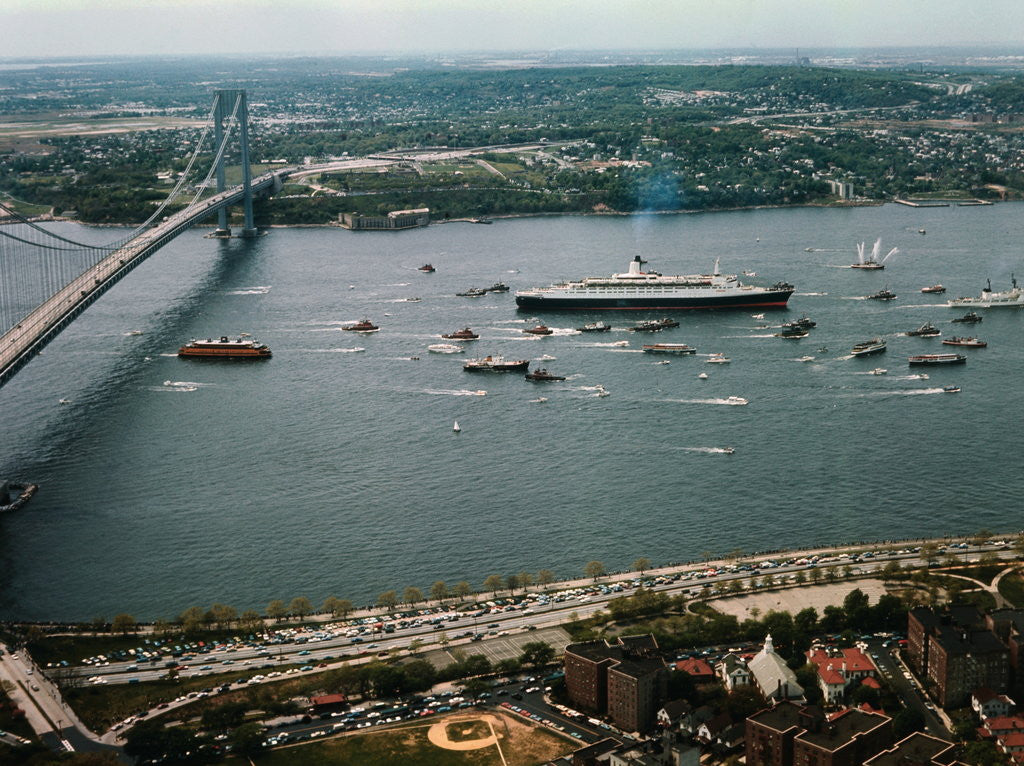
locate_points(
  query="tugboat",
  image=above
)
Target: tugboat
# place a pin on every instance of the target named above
(872, 262)
(927, 330)
(970, 342)
(666, 322)
(496, 364)
(933, 289)
(363, 325)
(971, 317)
(595, 327)
(226, 348)
(498, 287)
(541, 375)
(463, 334)
(473, 292)
(539, 330)
(882, 295)
(873, 346)
(427, 268)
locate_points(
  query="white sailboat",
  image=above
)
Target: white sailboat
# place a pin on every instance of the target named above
(456, 428)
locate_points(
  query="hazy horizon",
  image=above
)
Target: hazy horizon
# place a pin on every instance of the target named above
(96, 28)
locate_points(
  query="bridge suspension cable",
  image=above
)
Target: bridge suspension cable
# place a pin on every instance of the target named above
(36, 263)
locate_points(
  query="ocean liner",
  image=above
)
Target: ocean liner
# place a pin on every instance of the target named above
(638, 289)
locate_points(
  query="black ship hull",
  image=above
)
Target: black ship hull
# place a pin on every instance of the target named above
(768, 299)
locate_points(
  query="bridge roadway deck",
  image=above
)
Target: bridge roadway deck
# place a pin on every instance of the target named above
(31, 334)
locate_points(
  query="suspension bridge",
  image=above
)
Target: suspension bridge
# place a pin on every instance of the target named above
(48, 280)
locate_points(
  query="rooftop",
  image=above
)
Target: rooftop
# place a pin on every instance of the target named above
(841, 730)
(915, 750)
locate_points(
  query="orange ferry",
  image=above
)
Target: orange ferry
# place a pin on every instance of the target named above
(226, 348)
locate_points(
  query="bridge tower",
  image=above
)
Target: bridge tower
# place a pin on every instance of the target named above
(225, 107)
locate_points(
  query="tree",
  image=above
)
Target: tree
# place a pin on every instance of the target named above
(512, 582)
(345, 608)
(594, 569)
(276, 609)
(642, 564)
(300, 607)
(250, 621)
(415, 645)
(545, 577)
(330, 605)
(525, 580)
(388, 599)
(439, 591)
(412, 595)
(247, 740)
(494, 583)
(981, 537)
(223, 615)
(124, 624)
(929, 553)
(801, 576)
(906, 722)
(192, 620)
(462, 589)
(537, 654)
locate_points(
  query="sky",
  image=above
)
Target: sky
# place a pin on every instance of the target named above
(60, 28)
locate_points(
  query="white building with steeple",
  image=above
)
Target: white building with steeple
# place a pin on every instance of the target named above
(772, 675)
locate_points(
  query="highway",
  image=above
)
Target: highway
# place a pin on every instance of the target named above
(329, 643)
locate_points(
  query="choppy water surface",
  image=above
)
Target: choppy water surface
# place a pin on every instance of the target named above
(333, 467)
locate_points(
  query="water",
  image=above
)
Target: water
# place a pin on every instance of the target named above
(331, 471)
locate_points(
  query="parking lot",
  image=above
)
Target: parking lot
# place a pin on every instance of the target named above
(499, 648)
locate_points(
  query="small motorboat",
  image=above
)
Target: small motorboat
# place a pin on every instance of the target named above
(757, 316)
(539, 330)
(804, 322)
(64, 401)
(806, 359)
(445, 348)
(736, 400)
(971, 342)
(595, 327)
(668, 348)
(882, 295)
(728, 450)
(792, 333)
(879, 371)
(602, 392)
(539, 400)
(927, 330)
(970, 318)
(364, 325)
(541, 375)
(951, 389)
(703, 376)
(427, 268)
(464, 334)
(933, 289)
(718, 358)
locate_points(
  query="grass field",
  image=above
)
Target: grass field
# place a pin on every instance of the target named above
(521, 745)
(1012, 589)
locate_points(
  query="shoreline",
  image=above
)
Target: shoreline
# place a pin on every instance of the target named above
(612, 577)
(503, 216)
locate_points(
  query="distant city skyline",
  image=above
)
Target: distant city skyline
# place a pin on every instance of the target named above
(54, 28)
